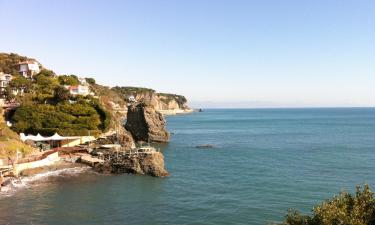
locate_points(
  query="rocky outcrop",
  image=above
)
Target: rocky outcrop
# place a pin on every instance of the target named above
(146, 124)
(124, 138)
(145, 164)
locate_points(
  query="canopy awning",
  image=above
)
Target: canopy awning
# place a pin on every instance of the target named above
(38, 137)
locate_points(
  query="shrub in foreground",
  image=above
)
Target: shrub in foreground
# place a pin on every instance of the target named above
(344, 209)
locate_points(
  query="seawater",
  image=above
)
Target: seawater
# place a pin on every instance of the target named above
(264, 162)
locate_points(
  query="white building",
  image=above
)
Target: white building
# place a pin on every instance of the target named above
(78, 90)
(82, 81)
(29, 68)
(4, 82)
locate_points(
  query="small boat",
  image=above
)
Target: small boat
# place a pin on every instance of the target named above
(146, 149)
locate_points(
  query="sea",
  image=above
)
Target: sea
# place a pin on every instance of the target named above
(263, 162)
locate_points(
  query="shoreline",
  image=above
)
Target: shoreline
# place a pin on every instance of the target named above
(173, 112)
(29, 177)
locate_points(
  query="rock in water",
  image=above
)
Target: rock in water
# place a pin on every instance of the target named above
(205, 146)
(146, 124)
(154, 165)
(146, 164)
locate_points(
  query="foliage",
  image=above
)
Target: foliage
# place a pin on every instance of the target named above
(44, 88)
(68, 80)
(65, 118)
(127, 91)
(47, 73)
(20, 82)
(345, 209)
(61, 94)
(8, 93)
(8, 62)
(10, 142)
(47, 106)
(90, 80)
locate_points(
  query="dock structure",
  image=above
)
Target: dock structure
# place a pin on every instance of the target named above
(119, 154)
(89, 160)
(5, 169)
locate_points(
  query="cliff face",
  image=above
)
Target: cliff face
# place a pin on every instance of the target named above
(146, 124)
(160, 101)
(171, 102)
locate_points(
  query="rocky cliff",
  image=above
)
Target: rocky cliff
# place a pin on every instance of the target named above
(146, 124)
(160, 101)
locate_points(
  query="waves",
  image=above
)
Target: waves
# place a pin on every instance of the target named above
(15, 184)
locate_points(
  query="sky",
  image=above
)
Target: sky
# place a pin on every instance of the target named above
(218, 53)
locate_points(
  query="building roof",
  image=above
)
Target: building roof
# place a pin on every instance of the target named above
(30, 61)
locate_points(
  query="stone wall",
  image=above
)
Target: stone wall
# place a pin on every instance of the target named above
(50, 159)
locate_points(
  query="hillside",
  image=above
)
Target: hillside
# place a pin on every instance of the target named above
(10, 142)
(47, 104)
(8, 62)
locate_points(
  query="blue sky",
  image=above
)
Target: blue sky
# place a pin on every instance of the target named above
(270, 53)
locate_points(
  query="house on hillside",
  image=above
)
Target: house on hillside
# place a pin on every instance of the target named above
(4, 82)
(5, 79)
(82, 81)
(28, 68)
(78, 90)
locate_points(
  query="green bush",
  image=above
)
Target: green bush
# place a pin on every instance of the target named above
(345, 209)
(20, 82)
(65, 118)
(8, 62)
(90, 80)
(45, 106)
(68, 80)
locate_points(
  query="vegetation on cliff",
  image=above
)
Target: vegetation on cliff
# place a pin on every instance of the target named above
(161, 101)
(10, 142)
(166, 98)
(50, 108)
(128, 91)
(46, 106)
(67, 119)
(345, 209)
(8, 62)
(112, 102)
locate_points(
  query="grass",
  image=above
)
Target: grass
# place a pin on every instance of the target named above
(10, 143)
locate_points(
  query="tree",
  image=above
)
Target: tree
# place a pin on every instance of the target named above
(90, 80)
(20, 82)
(62, 117)
(61, 94)
(44, 87)
(358, 209)
(9, 96)
(47, 73)
(68, 80)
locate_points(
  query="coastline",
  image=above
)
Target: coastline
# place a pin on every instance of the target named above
(173, 112)
(31, 177)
